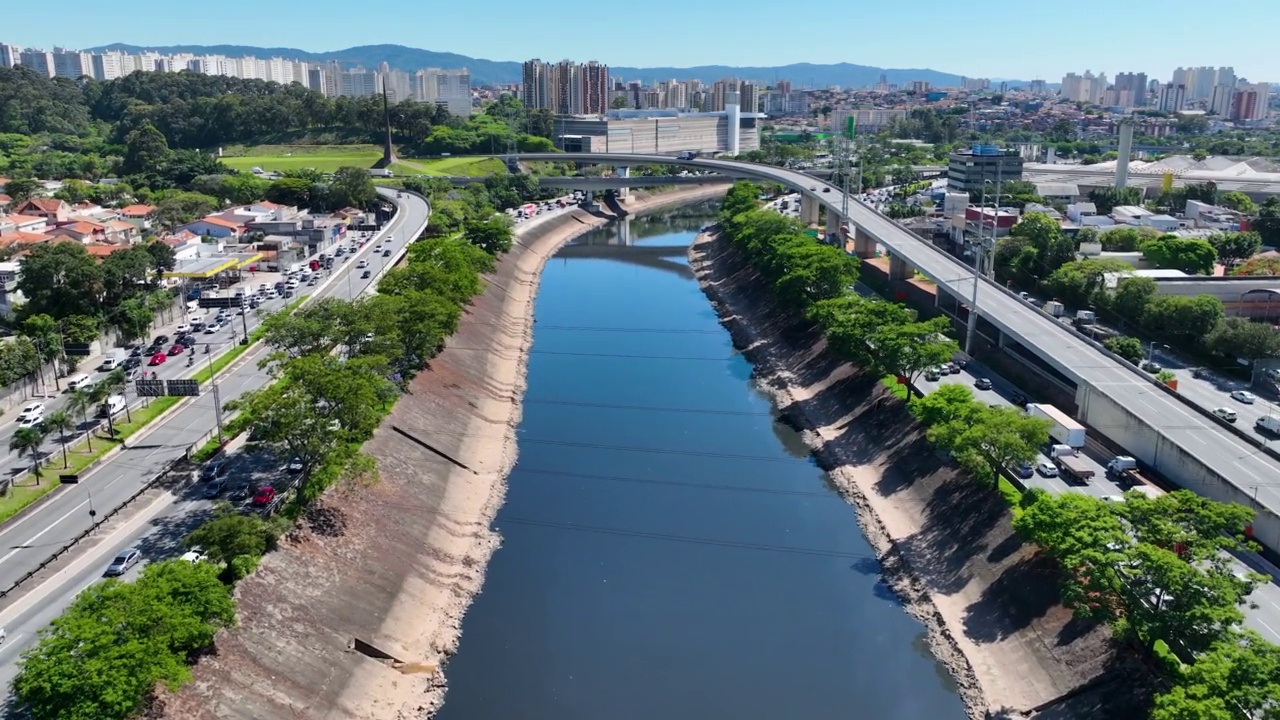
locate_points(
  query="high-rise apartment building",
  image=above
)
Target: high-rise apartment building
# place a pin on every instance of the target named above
(1200, 81)
(38, 60)
(1087, 88)
(566, 87)
(1129, 90)
(450, 88)
(1250, 102)
(1173, 98)
(71, 63)
(1220, 101)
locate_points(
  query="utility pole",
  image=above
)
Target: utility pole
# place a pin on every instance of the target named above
(217, 401)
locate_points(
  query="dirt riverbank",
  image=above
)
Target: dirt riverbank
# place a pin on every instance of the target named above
(989, 602)
(355, 614)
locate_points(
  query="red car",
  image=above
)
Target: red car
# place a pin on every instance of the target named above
(158, 359)
(264, 496)
(177, 349)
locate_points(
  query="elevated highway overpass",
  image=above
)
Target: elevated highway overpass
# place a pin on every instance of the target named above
(1172, 435)
(574, 182)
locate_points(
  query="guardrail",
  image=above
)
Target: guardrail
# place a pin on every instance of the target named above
(90, 530)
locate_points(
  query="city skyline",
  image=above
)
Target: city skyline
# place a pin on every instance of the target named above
(1020, 54)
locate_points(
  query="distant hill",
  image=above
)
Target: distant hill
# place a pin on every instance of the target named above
(499, 71)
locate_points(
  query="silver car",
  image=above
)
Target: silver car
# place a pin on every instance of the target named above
(125, 560)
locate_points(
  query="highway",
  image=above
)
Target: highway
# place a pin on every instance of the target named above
(29, 540)
(1253, 473)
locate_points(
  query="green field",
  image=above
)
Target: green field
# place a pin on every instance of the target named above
(325, 158)
(464, 165)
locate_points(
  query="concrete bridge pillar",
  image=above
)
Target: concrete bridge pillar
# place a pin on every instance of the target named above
(624, 231)
(834, 234)
(809, 210)
(864, 246)
(899, 269)
(624, 193)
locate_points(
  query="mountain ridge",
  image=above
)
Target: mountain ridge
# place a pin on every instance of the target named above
(484, 71)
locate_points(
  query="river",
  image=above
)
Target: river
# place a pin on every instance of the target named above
(670, 550)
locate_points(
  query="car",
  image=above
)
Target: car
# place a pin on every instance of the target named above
(241, 493)
(1018, 399)
(814, 188)
(982, 384)
(932, 374)
(214, 489)
(386, 253)
(1226, 414)
(161, 340)
(214, 469)
(132, 361)
(1243, 396)
(32, 414)
(136, 352)
(365, 274)
(125, 560)
(213, 328)
(1199, 373)
(362, 264)
(826, 189)
(182, 329)
(187, 341)
(176, 349)
(1047, 469)
(294, 465)
(1024, 471)
(193, 556)
(158, 359)
(1151, 367)
(264, 496)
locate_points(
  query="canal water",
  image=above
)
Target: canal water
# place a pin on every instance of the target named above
(670, 551)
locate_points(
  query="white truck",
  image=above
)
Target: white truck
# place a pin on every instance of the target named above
(1269, 423)
(1061, 426)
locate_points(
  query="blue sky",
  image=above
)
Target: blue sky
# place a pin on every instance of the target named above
(980, 38)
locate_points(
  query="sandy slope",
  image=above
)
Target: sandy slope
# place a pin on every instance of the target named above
(396, 564)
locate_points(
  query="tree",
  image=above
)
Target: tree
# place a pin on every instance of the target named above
(60, 421)
(987, 439)
(80, 402)
(146, 150)
(1049, 248)
(1267, 224)
(1127, 238)
(295, 192)
(1235, 247)
(162, 257)
(352, 187)
(118, 641)
(1194, 526)
(1163, 597)
(60, 280)
(949, 402)
(1238, 201)
(1130, 300)
(910, 349)
(1239, 676)
(230, 536)
(1238, 337)
(491, 234)
(1107, 199)
(27, 441)
(126, 273)
(1190, 255)
(1126, 347)
(1080, 283)
(1183, 319)
(22, 189)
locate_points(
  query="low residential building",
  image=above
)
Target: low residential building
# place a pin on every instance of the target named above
(140, 216)
(24, 223)
(5, 202)
(1077, 211)
(1058, 191)
(214, 226)
(81, 231)
(20, 237)
(51, 209)
(1211, 217)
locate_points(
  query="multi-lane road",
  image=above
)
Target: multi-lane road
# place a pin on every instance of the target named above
(29, 540)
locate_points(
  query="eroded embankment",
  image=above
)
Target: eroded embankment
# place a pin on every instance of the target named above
(989, 602)
(390, 569)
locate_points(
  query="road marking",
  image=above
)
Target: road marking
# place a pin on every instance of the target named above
(40, 592)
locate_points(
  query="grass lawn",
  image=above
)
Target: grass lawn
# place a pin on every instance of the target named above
(899, 390)
(25, 491)
(462, 165)
(325, 158)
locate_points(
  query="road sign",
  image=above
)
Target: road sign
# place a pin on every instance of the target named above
(184, 388)
(149, 388)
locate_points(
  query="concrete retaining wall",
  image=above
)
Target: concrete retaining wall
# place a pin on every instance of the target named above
(1166, 458)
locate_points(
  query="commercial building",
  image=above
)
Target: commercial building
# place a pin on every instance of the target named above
(969, 170)
(663, 132)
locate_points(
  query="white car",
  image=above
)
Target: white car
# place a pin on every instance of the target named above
(1047, 469)
(213, 328)
(362, 264)
(193, 556)
(1225, 413)
(32, 413)
(1243, 396)
(182, 329)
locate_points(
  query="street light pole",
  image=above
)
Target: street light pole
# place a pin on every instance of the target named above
(217, 401)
